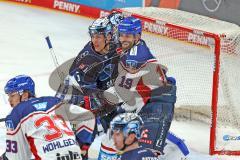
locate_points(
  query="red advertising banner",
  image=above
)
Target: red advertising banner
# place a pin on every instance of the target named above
(42, 3)
(65, 6)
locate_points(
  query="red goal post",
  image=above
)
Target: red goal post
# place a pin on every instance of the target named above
(218, 42)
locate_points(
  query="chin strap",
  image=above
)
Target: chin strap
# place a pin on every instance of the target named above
(20, 94)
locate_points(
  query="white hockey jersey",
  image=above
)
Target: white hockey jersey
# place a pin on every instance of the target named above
(40, 127)
(139, 73)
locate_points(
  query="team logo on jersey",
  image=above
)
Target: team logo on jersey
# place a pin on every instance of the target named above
(9, 125)
(40, 106)
(145, 137)
(107, 72)
(84, 54)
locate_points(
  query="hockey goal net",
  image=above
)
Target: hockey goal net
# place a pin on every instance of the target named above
(203, 54)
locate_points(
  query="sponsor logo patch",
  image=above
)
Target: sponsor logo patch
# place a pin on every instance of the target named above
(40, 106)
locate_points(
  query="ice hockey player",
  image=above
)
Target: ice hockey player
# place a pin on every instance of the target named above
(142, 87)
(93, 65)
(34, 128)
(125, 131)
(91, 72)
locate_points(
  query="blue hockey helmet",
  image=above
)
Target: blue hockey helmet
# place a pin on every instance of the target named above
(127, 123)
(100, 26)
(19, 84)
(130, 25)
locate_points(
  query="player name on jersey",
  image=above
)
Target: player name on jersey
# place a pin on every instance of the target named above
(58, 144)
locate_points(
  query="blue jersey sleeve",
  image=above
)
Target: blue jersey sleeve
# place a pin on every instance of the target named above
(23, 109)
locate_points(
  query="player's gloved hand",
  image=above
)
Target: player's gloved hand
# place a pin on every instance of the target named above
(99, 106)
(171, 80)
(77, 99)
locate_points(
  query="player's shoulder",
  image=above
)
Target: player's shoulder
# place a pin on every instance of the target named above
(40, 103)
(88, 46)
(49, 102)
(31, 106)
(87, 49)
(143, 52)
(139, 54)
(143, 46)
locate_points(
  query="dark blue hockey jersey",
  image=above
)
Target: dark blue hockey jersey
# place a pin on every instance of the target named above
(94, 69)
(139, 154)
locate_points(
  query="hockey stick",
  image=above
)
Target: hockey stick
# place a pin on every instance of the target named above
(2, 119)
(96, 64)
(178, 142)
(54, 57)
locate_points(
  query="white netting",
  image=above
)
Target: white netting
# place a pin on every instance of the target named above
(193, 64)
(229, 31)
